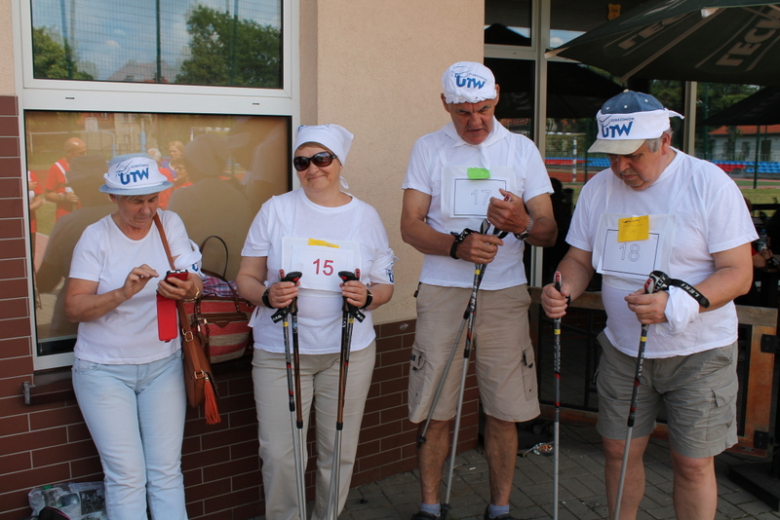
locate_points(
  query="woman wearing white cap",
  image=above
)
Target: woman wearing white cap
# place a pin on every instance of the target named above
(318, 230)
(129, 383)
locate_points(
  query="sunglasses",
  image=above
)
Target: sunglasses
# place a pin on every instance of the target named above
(320, 160)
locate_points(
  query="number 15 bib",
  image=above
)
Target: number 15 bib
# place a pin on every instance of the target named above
(319, 261)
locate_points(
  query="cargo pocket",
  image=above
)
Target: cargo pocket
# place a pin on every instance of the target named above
(416, 380)
(529, 373)
(724, 410)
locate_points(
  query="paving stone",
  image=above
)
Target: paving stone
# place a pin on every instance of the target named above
(738, 497)
(755, 507)
(660, 513)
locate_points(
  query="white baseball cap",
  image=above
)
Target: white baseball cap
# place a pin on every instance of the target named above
(468, 82)
(627, 120)
(134, 174)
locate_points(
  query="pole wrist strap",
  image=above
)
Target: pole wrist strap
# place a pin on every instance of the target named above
(662, 283)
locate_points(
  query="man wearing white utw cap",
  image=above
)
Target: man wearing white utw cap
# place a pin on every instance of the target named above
(471, 169)
(657, 208)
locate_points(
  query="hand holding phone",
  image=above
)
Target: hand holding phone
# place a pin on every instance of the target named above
(167, 322)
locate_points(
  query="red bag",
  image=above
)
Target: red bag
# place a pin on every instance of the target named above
(222, 322)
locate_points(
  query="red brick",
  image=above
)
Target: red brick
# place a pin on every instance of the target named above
(388, 344)
(9, 146)
(398, 413)
(12, 386)
(12, 248)
(10, 227)
(226, 438)
(370, 419)
(396, 385)
(378, 432)
(16, 462)
(231, 468)
(191, 444)
(366, 476)
(387, 373)
(59, 417)
(14, 288)
(14, 268)
(9, 126)
(193, 477)
(254, 479)
(29, 479)
(394, 357)
(15, 308)
(381, 459)
(14, 424)
(12, 208)
(397, 328)
(32, 440)
(12, 367)
(366, 449)
(202, 459)
(224, 503)
(69, 452)
(195, 509)
(87, 470)
(78, 432)
(244, 449)
(8, 106)
(210, 489)
(400, 440)
(243, 418)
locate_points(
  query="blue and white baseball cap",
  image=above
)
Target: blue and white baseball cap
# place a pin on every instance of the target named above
(134, 174)
(468, 82)
(625, 121)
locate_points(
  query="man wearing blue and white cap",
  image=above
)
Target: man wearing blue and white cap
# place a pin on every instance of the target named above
(657, 208)
(471, 169)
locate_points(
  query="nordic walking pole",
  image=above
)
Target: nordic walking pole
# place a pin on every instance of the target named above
(650, 286)
(349, 315)
(421, 438)
(479, 273)
(557, 420)
(294, 396)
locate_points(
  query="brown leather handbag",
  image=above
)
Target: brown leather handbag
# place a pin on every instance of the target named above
(201, 388)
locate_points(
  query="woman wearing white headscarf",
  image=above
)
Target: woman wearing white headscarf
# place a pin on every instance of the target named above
(129, 383)
(318, 230)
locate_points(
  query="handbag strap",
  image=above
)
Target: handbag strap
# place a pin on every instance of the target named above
(225, 266)
(183, 321)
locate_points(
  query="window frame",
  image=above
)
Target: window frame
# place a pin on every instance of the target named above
(103, 96)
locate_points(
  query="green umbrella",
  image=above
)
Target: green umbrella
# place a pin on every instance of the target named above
(721, 41)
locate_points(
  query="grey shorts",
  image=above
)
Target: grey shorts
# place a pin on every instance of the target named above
(505, 367)
(699, 392)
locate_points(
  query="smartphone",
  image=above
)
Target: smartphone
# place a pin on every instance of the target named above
(181, 274)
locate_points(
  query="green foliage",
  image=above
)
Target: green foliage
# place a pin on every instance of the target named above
(52, 60)
(231, 51)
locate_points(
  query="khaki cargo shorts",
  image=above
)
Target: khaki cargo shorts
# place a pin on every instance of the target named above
(505, 367)
(699, 392)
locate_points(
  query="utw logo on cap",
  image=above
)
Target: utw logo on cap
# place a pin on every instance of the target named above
(627, 120)
(134, 174)
(468, 82)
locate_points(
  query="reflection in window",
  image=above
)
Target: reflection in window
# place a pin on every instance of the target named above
(190, 42)
(571, 18)
(514, 16)
(223, 168)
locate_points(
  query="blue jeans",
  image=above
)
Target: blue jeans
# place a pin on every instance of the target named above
(135, 414)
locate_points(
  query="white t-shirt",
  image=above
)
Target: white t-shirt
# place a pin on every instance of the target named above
(104, 254)
(706, 214)
(441, 166)
(297, 235)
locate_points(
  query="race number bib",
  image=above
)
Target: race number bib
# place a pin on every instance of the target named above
(319, 261)
(466, 192)
(630, 257)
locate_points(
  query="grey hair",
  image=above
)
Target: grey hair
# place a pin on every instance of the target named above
(155, 153)
(654, 144)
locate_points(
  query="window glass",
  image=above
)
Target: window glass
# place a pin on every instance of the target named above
(510, 20)
(219, 185)
(189, 42)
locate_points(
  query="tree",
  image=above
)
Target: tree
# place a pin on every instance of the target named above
(51, 60)
(226, 50)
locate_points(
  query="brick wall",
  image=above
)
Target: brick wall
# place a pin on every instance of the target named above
(49, 443)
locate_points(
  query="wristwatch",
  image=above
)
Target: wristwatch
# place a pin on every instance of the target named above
(524, 234)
